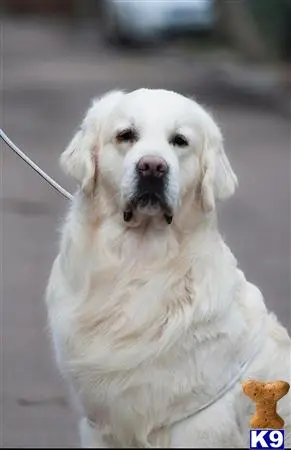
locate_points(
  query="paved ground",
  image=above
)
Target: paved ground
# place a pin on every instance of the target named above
(50, 74)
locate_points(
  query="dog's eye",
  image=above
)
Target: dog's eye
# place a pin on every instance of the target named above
(127, 135)
(179, 140)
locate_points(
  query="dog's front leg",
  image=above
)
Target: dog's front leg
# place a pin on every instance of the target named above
(90, 437)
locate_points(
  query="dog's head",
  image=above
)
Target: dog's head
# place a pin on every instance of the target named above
(148, 150)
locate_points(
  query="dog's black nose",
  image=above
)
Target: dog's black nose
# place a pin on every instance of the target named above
(152, 166)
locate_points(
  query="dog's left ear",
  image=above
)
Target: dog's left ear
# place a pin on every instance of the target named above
(218, 180)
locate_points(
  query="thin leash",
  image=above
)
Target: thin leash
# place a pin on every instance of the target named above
(34, 166)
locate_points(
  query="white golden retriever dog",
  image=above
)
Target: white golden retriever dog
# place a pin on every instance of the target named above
(154, 325)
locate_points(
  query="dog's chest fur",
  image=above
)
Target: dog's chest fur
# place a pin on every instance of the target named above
(132, 330)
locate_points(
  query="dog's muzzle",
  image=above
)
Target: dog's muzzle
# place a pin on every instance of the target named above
(151, 175)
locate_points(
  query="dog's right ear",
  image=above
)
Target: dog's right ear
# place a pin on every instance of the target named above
(80, 159)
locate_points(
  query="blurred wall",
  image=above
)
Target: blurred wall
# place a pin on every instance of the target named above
(51, 7)
(38, 6)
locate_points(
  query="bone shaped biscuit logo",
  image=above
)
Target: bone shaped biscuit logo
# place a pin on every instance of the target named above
(266, 395)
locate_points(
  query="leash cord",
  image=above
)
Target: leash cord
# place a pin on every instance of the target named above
(34, 166)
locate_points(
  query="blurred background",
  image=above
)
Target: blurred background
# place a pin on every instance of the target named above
(232, 56)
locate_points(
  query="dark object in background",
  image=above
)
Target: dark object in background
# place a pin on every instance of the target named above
(285, 53)
(286, 35)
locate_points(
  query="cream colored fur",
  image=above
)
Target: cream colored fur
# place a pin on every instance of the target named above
(150, 320)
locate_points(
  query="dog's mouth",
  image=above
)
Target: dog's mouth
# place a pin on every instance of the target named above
(150, 203)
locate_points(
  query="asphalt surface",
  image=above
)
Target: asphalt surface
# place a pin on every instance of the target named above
(50, 73)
